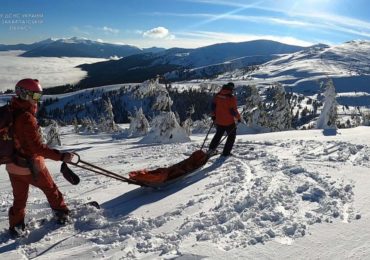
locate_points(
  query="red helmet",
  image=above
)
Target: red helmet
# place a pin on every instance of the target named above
(28, 87)
(29, 84)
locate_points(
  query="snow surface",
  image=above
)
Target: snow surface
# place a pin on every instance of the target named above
(283, 195)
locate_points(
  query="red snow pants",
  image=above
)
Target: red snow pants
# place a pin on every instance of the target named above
(21, 183)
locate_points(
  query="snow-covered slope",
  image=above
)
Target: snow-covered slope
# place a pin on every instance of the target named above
(347, 64)
(287, 195)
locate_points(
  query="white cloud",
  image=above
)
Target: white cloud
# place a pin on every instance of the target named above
(218, 37)
(109, 30)
(78, 30)
(159, 33)
(89, 30)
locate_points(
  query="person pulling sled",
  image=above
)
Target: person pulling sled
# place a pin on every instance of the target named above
(28, 166)
(224, 115)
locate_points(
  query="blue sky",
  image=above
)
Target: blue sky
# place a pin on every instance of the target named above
(185, 23)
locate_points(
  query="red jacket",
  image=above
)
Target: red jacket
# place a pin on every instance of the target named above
(224, 108)
(27, 138)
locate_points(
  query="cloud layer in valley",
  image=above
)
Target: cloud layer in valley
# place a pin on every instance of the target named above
(50, 71)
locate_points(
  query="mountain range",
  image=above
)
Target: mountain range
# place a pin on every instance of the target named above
(259, 63)
(184, 64)
(76, 47)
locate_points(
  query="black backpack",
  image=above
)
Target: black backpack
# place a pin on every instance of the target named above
(6, 135)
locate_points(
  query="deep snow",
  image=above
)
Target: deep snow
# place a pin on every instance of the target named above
(285, 195)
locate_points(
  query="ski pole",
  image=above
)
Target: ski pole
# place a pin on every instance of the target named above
(205, 139)
(101, 171)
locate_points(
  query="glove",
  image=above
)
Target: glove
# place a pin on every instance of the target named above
(67, 157)
(213, 118)
(239, 121)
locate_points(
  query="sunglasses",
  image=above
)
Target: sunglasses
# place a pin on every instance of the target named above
(35, 95)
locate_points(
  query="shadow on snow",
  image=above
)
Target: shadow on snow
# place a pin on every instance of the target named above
(132, 200)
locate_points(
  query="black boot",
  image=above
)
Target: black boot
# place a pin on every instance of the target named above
(62, 216)
(18, 230)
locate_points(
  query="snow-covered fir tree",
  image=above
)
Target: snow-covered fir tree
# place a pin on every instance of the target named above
(151, 87)
(139, 125)
(188, 123)
(203, 125)
(107, 123)
(75, 125)
(280, 117)
(166, 129)
(88, 126)
(52, 134)
(329, 114)
(253, 109)
(42, 135)
(365, 118)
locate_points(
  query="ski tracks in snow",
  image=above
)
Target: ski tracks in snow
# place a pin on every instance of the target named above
(257, 195)
(252, 197)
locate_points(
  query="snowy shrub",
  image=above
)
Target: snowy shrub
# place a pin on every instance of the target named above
(52, 134)
(166, 129)
(329, 114)
(139, 125)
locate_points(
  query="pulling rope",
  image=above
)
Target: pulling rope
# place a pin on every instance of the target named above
(96, 169)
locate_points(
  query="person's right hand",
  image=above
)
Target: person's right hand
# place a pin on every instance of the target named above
(67, 157)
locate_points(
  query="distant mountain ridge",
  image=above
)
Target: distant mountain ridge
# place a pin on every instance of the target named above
(76, 47)
(182, 64)
(24, 47)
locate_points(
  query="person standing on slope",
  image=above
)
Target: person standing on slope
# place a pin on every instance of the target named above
(224, 115)
(28, 166)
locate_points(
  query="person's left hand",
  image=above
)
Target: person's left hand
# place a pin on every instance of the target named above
(67, 157)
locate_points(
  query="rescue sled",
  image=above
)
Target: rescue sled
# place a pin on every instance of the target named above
(157, 177)
(146, 178)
